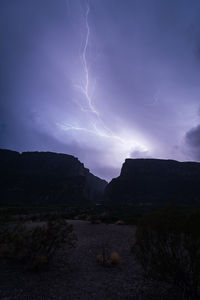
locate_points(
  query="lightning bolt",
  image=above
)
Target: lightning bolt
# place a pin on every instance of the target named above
(84, 88)
(95, 131)
(99, 128)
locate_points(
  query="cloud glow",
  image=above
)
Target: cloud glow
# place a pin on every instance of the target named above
(120, 147)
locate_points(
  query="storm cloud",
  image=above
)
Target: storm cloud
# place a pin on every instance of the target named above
(193, 142)
(102, 80)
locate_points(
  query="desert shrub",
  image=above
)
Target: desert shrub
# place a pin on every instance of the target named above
(106, 256)
(115, 258)
(168, 248)
(36, 246)
(105, 260)
(103, 256)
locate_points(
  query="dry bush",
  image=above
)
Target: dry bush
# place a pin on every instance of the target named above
(104, 260)
(36, 246)
(103, 256)
(115, 258)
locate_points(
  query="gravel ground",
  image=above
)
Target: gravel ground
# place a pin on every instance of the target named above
(78, 274)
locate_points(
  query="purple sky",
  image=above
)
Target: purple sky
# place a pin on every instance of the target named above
(102, 80)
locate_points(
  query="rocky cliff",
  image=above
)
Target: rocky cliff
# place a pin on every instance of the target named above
(46, 178)
(155, 181)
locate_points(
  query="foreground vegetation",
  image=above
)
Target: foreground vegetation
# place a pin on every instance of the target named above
(167, 242)
(33, 245)
(168, 249)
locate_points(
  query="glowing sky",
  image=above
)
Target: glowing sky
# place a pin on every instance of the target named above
(102, 80)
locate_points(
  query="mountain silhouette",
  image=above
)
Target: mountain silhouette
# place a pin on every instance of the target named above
(155, 181)
(46, 178)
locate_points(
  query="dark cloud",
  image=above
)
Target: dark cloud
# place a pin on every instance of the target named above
(193, 141)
